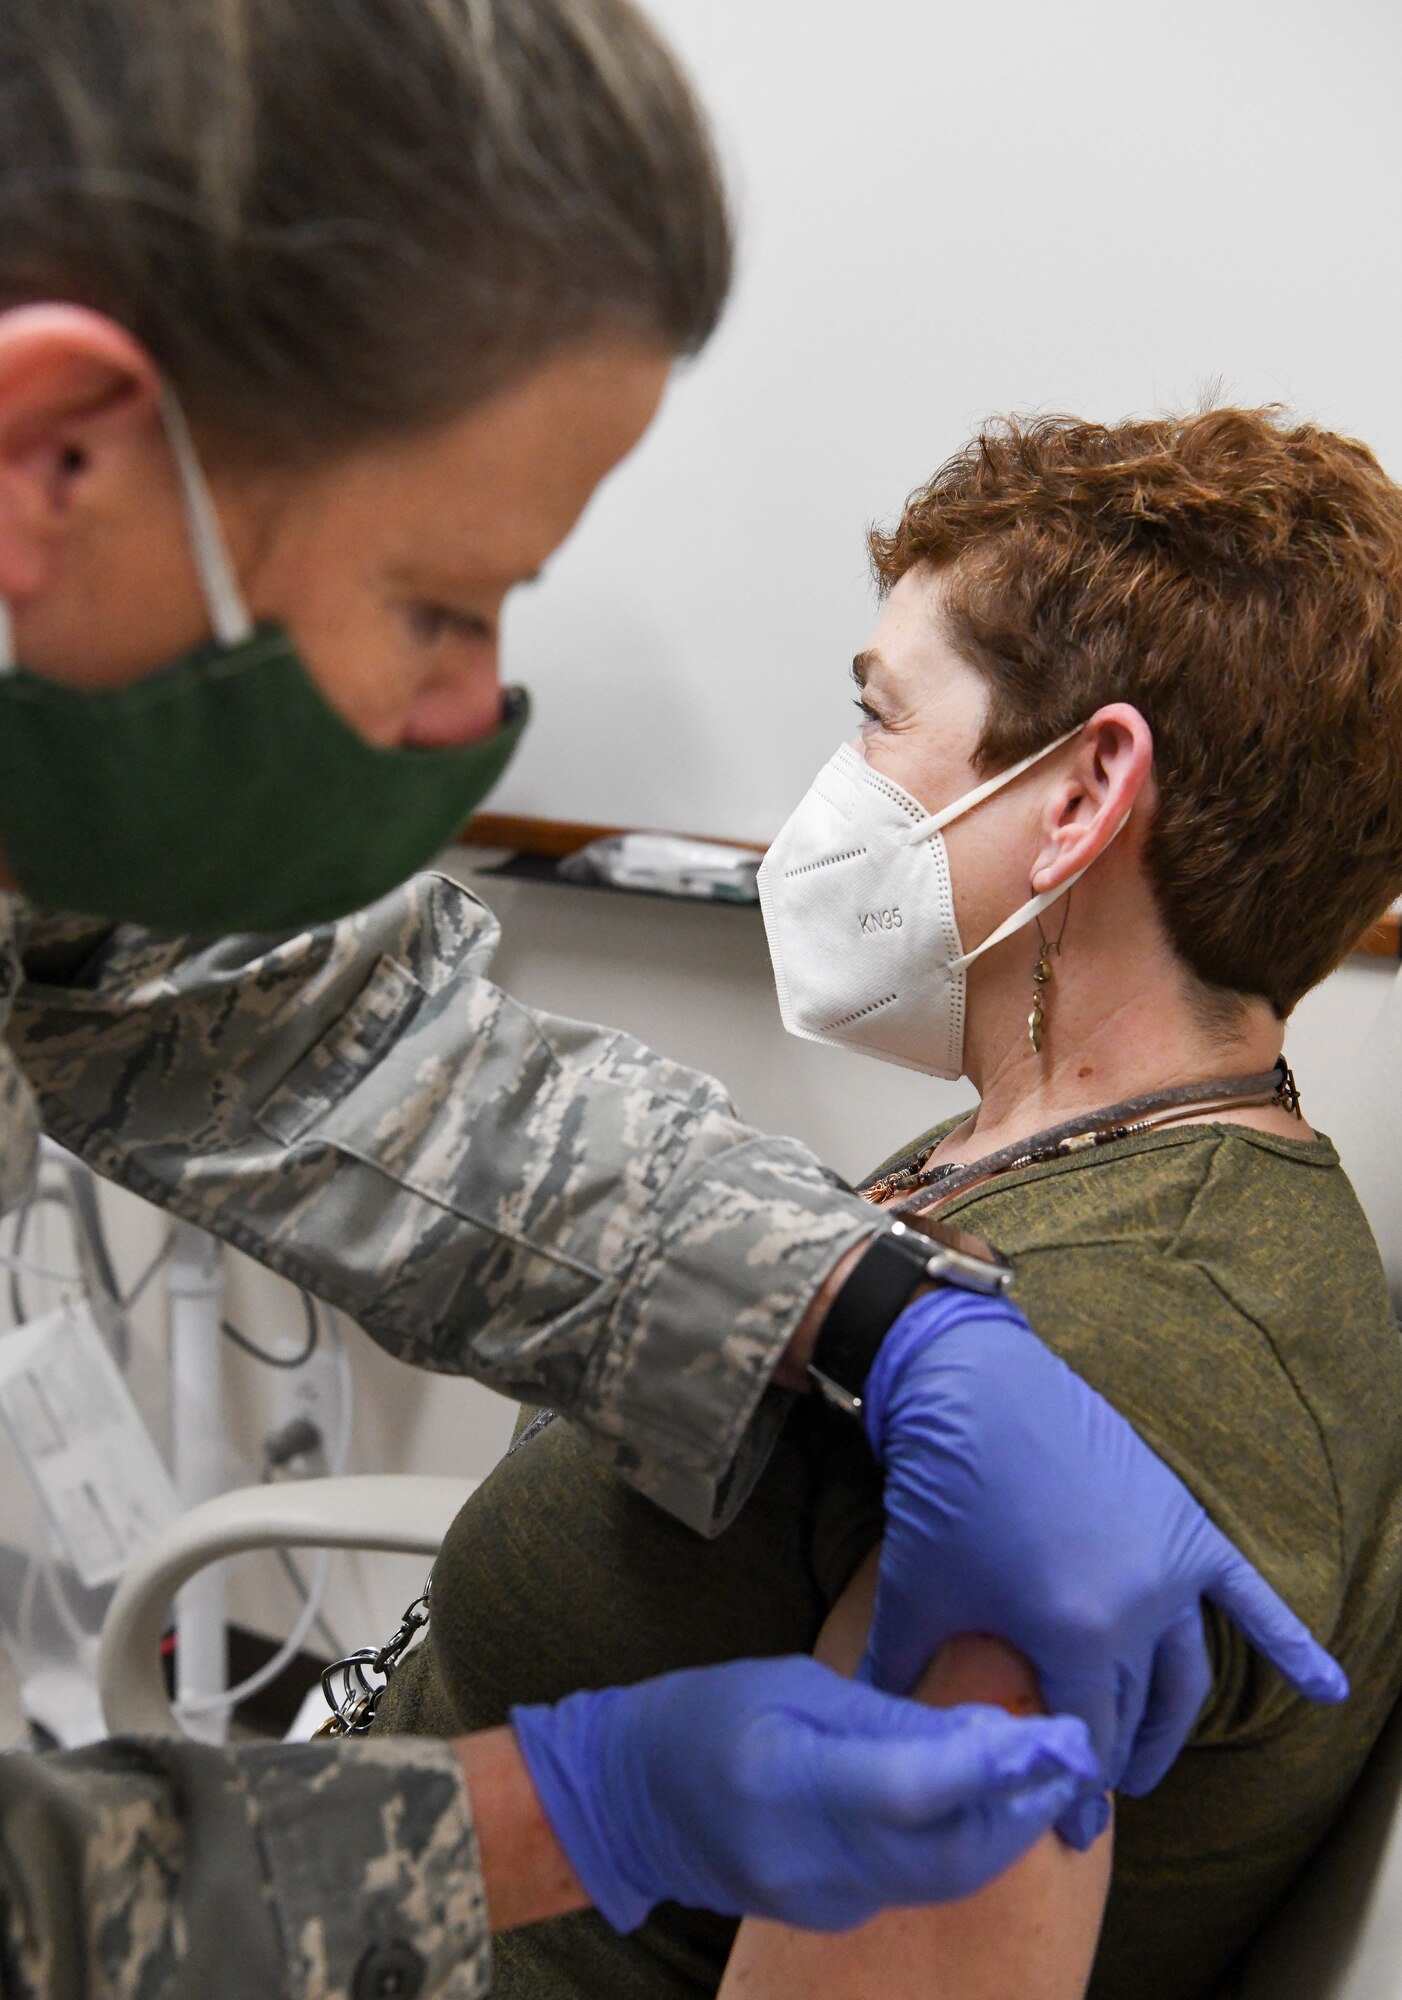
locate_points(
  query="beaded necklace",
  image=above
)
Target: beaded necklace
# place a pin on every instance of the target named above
(908, 1184)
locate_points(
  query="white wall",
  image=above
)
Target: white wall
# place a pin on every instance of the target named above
(948, 211)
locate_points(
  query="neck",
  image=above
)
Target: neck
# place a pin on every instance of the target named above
(1117, 1025)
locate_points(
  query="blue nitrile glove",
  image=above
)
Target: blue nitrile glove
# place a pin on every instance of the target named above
(776, 1788)
(1019, 1502)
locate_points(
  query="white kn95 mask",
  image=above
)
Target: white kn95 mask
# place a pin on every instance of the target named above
(859, 910)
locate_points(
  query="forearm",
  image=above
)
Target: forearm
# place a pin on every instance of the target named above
(526, 1872)
(542, 1204)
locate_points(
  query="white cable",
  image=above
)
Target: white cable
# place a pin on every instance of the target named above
(28, 1270)
(130, 1298)
(338, 1459)
(345, 1399)
(24, 1614)
(211, 1704)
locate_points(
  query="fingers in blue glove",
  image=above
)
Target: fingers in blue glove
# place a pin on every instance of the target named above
(1273, 1628)
(949, 1798)
(898, 1649)
(962, 1757)
(1084, 1820)
(1109, 1705)
(776, 1788)
(1178, 1687)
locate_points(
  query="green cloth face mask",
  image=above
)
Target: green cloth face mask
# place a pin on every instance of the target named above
(222, 793)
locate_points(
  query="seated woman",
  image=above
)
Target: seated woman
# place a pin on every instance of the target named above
(1199, 623)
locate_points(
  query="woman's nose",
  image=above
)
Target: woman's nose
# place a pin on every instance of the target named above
(456, 708)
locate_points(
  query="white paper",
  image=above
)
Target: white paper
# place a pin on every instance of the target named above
(668, 864)
(83, 1442)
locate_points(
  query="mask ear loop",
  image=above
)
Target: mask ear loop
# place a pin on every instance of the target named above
(228, 614)
(1035, 905)
(934, 823)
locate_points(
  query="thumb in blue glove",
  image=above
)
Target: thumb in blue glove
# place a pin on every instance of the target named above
(1019, 1502)
(776, 1788)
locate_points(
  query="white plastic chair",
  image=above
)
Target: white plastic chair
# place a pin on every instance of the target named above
(1338, 1932)
(403, 1513)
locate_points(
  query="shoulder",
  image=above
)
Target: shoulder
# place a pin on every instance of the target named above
(1224, 1292)
(1215, 1238)
(1255, 1216)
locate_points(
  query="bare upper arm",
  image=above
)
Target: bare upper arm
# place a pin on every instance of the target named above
(1031, 1934)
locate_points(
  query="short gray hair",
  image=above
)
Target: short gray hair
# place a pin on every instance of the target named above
(332, 219)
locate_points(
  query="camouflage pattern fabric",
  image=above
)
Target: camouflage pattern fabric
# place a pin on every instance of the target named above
(142, 1870)
(542, 1204)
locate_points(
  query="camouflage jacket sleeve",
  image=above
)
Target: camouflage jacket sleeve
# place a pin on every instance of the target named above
(545, 1205)
(307, 1872)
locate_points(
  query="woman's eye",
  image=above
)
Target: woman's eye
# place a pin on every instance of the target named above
(866, 709)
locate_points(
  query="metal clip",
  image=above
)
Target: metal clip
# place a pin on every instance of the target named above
(364, 1675)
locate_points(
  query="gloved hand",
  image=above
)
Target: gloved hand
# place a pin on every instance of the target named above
(1019, 1502)
(776, 1788)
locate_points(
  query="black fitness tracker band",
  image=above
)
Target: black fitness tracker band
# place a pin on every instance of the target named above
(876, 1292)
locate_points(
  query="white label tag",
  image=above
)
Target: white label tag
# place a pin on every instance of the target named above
(83, 1443)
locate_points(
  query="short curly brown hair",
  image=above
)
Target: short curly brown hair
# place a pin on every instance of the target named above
(1239, 580)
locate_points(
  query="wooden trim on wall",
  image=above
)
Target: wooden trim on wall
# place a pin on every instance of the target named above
(532, 836)
(557, 837)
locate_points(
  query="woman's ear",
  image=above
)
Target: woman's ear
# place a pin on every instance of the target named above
(79, 398)
(1111, 762)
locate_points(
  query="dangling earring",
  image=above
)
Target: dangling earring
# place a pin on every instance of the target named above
(1041, 973)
